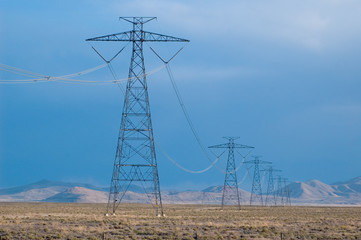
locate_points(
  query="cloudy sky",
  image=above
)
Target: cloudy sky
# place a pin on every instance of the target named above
(282, 75)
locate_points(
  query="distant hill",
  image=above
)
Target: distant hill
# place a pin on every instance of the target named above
(312, 192)
(312, 189)
(55, 191)
(316, 192)
(352, 186)
(79, 195)
(44, 184)
(40, 190)
(214, 189)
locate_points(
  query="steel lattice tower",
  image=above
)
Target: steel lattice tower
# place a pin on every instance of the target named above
(280, 191)
(256, 192)
(289, 196)
(135, 159)
(286, 192)
(230, 189)
(271, 193)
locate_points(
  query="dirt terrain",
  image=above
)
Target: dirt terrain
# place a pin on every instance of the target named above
(138, 221)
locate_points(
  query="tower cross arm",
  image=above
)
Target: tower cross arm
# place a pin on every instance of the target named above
(220, 146)
(265, 162)
(236, 145)
(156, 37)
(270, 169)
(230, 145)
(116, 37)
(258, 162)
(144, 36)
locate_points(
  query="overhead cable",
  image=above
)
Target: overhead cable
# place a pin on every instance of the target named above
(186, 169)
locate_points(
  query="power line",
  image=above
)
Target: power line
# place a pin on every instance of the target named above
(62, 79)
(186, 169)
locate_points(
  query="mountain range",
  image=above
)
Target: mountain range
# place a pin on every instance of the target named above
(312, 192)
(317, 192)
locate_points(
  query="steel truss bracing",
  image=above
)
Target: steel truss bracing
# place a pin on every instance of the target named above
(256, 193)
(286, 192)
(283, 191)
(230, 194)
(288, 196)
(271, 192)
(135, 159)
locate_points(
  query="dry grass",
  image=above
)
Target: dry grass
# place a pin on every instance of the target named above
(137, 221)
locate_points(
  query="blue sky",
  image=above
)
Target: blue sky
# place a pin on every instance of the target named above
(284, 76)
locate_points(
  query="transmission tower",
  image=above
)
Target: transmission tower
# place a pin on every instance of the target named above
(287, 192)
(230, 188)
(135, 159)
(271, 193)
(280, 199)
(282, 191)
(256, 193)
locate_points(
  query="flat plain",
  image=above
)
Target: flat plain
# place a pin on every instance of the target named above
(138, 221)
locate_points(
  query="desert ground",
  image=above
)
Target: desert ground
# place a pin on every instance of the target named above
(138, 221)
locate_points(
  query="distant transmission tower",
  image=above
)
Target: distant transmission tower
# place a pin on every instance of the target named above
(283, 191)
(135, 159)
(287, 192)
(256, 193)
(230, 189)
(271, 192)
(280, 198)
